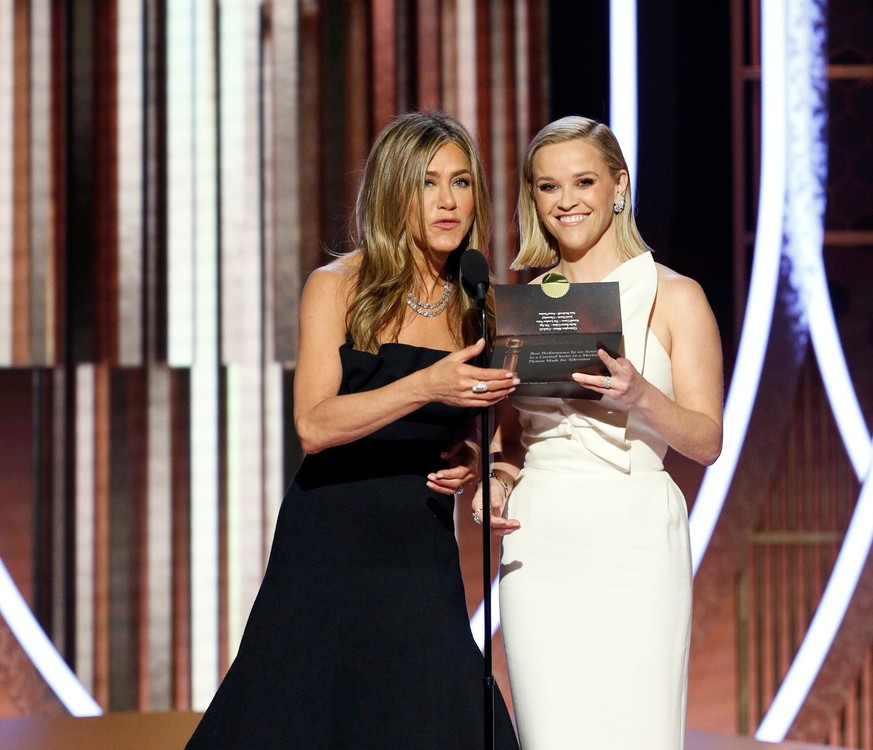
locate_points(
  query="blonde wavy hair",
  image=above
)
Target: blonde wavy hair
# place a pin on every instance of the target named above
(537, 247)
(393, 179)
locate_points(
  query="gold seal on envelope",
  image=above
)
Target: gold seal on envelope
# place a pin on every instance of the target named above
(555, 285)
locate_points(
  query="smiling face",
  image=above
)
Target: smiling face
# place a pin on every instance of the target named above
(574, 193)
(447, 202)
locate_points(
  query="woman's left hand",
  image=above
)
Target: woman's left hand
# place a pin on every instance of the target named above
(463, 469)
(623, 383)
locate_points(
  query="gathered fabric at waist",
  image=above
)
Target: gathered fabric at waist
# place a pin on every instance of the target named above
(572, 456)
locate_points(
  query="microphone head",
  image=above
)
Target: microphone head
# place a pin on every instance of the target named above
(474, 274)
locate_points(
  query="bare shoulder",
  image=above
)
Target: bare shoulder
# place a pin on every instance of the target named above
(325, 302)
(332, 283)
(678, 293)
(339, 273)
(681, 310)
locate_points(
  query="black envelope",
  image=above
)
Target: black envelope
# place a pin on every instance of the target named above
(547, 332)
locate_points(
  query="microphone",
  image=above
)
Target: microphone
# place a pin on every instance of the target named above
(474, 275)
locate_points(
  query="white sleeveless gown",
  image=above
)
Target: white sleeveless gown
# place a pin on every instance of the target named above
(595, 590)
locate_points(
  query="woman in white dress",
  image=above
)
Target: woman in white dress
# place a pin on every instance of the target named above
(595, 590)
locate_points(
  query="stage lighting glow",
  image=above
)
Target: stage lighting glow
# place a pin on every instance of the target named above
(806, 84)
(762, 289)
(41, 650)
(835, 374)
(807, 88)
(826, 623)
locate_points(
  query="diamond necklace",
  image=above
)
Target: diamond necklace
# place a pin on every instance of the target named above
(430, 309)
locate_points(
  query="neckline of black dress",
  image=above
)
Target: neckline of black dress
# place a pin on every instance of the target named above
(395, 343)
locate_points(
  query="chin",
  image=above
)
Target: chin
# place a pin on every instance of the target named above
(446, 248)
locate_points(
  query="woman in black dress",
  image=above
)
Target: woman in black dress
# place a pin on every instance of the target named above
(359, 636)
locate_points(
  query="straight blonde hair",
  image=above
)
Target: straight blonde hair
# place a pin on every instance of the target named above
(537, 247)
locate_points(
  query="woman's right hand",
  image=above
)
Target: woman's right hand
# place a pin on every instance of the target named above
(500, 524)
(455, 382)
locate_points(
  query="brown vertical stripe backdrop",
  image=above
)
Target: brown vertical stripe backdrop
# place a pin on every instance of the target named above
(176, 170)
(170, 173)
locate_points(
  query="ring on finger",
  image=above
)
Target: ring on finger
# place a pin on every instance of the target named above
(480, 387)
(607, 383)
(476, 518)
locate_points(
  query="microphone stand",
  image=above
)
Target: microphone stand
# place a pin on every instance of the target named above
(485, 442)
(475, 280)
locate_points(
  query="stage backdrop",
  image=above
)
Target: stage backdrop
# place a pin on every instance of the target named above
(170, 172)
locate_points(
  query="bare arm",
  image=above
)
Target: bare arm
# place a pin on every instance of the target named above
(692, 423)
(506, 444)
(323, 418)
(507, 462)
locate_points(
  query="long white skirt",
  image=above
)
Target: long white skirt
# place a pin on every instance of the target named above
(595, 601)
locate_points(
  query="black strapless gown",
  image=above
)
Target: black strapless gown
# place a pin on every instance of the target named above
(359, 637)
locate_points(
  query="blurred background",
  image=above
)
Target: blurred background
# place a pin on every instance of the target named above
(172, 170)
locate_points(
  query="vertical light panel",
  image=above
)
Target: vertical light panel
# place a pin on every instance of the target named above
(466, 63)
(500, 84)
(131, 120)
(522, 75)
(245, 495)
(84, 523)
(161, 639)
(21, 186)
(181, 134)
(274, 476)
(204, 372)
(7, 99)
(193, 304)
(623, 80)
(273, 434)
(283, 167)
(104, 601)
(159, 532)
(60, 492)
(279, 137)
(41, 282)
(241, 281)
(242, 305)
